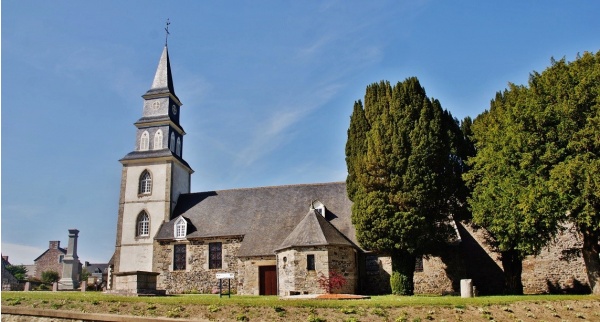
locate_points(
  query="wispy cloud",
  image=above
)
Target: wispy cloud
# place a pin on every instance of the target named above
(277, 129)
(22, 211)
(20, 254)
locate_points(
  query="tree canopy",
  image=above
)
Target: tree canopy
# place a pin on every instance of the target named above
(537, 160)
(404, 173)
(18, 271)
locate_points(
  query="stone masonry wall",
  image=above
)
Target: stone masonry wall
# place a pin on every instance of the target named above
(342, 259)
(557, 269)
(50, 261)
(248, 273)
(439, 276)
(197, 277)
(293, 275)
(376, 278)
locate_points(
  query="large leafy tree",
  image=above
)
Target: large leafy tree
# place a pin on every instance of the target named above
(403, 174)
(572, 91)
(537, 164)
(510, 196)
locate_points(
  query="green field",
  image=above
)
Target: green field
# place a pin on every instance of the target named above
(271, 308)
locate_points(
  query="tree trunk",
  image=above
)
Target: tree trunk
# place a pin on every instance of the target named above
(512, 264)
(591, 251)
(403, 271)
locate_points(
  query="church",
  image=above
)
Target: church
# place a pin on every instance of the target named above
(282, 240)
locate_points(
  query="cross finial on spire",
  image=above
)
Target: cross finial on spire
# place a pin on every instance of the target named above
(167, 30)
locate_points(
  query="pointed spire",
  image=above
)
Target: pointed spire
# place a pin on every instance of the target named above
(163, 79)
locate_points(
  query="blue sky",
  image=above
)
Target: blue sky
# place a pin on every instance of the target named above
(267, 87)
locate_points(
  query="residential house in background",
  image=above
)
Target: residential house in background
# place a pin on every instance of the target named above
(50, 260)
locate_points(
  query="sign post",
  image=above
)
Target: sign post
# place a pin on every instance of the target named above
(221, 277)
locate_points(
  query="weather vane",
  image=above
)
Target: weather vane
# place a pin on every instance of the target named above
(167, 30)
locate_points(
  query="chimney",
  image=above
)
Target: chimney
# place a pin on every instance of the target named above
(5, 258)
(54, 244)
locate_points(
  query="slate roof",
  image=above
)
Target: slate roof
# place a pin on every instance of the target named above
(264, 216)
(163, 79)
(135, 155)
(314, 230)
(96, 268)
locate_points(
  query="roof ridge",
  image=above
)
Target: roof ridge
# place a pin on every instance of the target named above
(270, 187)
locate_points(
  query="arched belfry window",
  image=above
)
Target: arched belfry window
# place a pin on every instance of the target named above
(178, 149)
(180, 228)
(158, 140)
(143, 225)
(144, 141)
(172, 143)
(145, 183)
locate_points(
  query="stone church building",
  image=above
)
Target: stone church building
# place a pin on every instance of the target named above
(275, 240)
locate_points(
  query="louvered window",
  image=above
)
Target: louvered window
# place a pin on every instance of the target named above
(144, 141)
(158, 140)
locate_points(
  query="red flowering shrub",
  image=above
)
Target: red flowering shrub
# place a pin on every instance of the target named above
(335, 281)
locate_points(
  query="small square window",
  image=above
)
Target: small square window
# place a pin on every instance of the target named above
(310, 262)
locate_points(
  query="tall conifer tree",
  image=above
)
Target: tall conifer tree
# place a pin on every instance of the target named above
(403, 174)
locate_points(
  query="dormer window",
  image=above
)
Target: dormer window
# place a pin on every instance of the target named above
(145, 186)
(158, 140)
(144, 141)
(319, 207)
(180, 228)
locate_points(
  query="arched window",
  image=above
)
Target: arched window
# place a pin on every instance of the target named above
(180, 228)
(172, 144)
(143, 224)
(144, 141)
(178, 149)
(158, 137)
(145, 183)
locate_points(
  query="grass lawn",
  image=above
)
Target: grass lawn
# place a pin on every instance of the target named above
(270, 308)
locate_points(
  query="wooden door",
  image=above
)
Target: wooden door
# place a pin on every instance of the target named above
(267, 276)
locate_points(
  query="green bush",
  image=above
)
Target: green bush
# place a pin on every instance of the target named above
(400, 284)
(50, 277)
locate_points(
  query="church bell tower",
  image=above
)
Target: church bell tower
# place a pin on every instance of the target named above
(154, 174)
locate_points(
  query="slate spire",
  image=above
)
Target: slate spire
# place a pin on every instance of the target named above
(163, 78)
